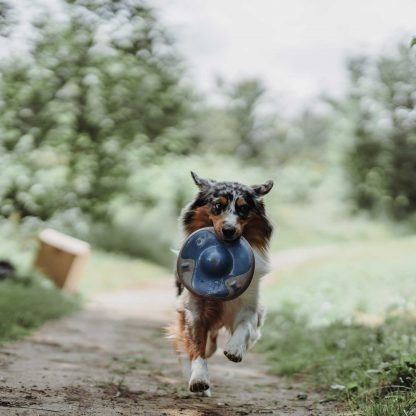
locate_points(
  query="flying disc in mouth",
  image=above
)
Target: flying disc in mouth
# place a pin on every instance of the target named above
(212, 268)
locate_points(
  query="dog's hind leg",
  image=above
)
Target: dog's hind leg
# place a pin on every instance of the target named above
(211, 343)
(185, 363)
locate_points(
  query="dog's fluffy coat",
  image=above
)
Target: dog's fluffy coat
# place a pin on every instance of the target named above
(240, 208)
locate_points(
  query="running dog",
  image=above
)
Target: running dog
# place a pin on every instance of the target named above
(234, 210)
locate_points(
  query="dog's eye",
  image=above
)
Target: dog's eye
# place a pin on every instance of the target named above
(216, 208)
(243, 211)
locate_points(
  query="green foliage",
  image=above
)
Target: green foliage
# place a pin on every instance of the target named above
(248, 125)
(99, 97)
(374, 368)
(26, 305)
(6, 18)
(382, 159)
(244, 98)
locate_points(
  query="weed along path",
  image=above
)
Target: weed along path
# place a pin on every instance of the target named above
(112, 359)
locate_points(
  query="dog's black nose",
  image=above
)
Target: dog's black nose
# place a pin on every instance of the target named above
(228, 231)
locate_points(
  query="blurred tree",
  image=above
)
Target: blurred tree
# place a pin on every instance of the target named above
(382, 106)
(305, 136)
(252, 127)
(247, 124)
(7, 20)
(100, 95)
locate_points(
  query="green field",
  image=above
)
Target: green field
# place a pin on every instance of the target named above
(344, 324)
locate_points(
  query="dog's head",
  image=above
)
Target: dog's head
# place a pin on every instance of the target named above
(233, 209)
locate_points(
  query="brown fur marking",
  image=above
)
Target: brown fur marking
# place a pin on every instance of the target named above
(200, 219)
(255, 233)
(217, 222)
(223, 201)
(240, 202)
(193, 338)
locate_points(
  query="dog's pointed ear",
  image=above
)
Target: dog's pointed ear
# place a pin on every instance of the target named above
(263, 189)
(200, 182)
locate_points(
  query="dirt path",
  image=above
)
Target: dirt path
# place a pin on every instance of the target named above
(112, 359)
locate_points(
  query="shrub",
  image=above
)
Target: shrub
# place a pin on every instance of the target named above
(381, 162)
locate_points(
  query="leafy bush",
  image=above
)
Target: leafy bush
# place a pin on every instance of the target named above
(382, 159)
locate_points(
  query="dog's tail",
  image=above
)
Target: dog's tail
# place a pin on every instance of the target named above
(174, 332)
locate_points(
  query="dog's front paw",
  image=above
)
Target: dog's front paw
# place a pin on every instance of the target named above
(234, 354)
(198, 385)
(199, 380)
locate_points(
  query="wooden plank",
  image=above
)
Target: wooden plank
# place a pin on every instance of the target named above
(62, 258)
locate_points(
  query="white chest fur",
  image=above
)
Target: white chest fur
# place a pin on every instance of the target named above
(248, 302)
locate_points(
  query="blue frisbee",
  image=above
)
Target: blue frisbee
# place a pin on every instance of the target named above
(213, 268)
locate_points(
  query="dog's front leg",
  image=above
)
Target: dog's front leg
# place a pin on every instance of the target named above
(245, 333)
(199, 380)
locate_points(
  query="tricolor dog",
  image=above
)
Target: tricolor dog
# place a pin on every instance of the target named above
(234, 210)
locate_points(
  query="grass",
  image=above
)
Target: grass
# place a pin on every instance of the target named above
(308, 208)
(26, 305)
(345, 325)
(356, 280)
(372, 368)
(107, 272)
(316, 223)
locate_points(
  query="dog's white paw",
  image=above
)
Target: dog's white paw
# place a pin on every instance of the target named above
(198, 385)
(234, 353)
(199, 381)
